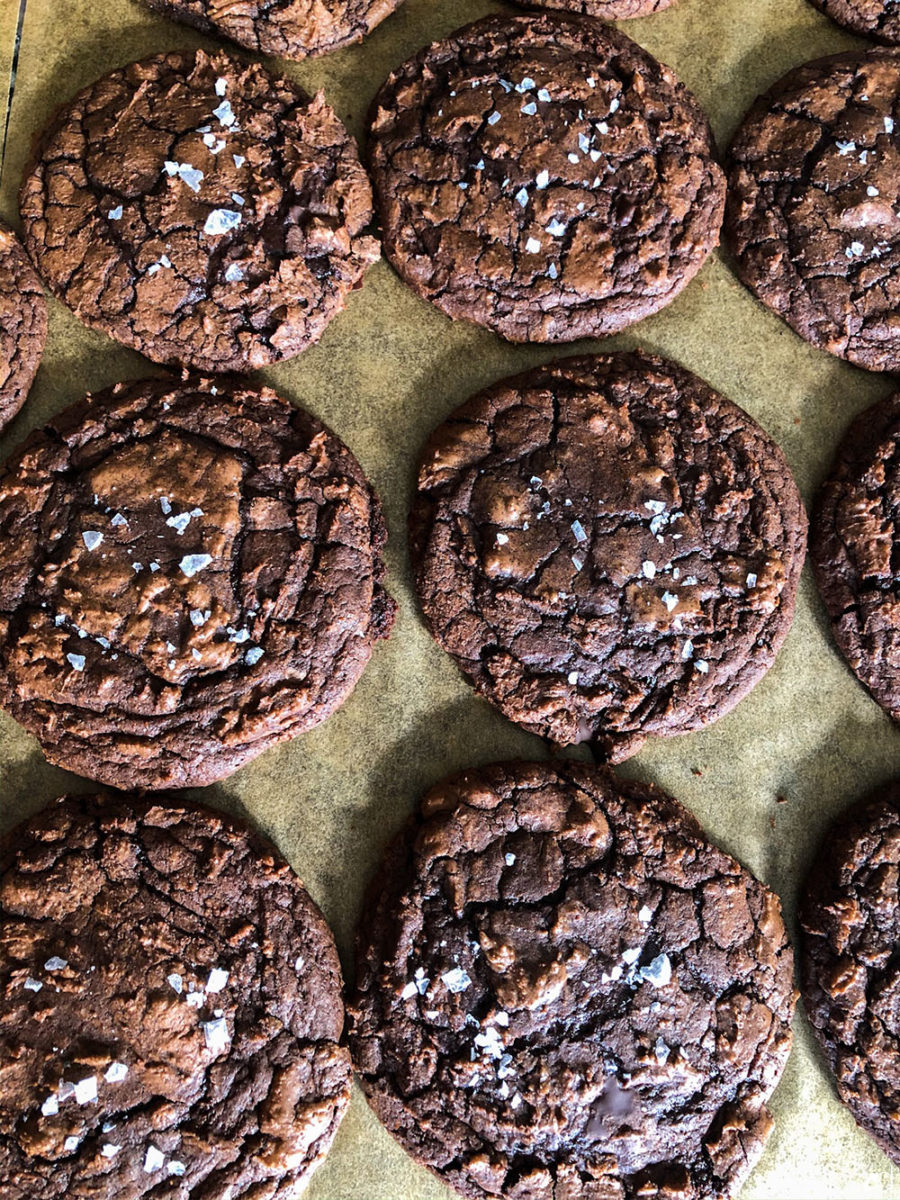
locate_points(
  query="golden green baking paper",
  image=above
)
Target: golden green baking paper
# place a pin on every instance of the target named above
(385, 373)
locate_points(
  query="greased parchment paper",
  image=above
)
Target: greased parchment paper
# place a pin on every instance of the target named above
(764, 781)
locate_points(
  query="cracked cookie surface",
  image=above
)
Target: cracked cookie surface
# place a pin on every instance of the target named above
(607, 548)
(812, 216)
(170, 1009)
(543, 176)
(565, 991)
(288, 28)
(23, 325)
(872, 18)
(854, 544)
(850, 919)
(190, 573)
(200, 210)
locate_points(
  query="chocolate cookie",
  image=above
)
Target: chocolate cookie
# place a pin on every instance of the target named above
(872, 18)
(201, 211)
(854, 540)
(851, 977)
(170, 1009)
(811, 208)
(543, 176)
(23, 325)
(189, 573)
(290, 28)
(607, 10)
(607, 548)
(565, 991)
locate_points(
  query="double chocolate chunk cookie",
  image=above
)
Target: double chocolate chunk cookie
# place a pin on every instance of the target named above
(543, 176)
(851, 975)
(854, 543)
(189, 573)
(290, 28)
(201, 211)
(812, 216)
(170, 1009)
(564, 991)
(23, 325)
(607, 548)
(873, 18)
(608, 10)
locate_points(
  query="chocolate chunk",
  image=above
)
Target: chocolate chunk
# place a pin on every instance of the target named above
(607, 548)
(170, 1008)
(873, 18)
(23, 325)
(189, 573)
(851, 976)
(201, 211)
(543, 176)
(811, 205)
(288, 28)
(854, 542)
(564, 990)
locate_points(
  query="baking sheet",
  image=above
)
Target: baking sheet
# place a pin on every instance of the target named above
(764, 781)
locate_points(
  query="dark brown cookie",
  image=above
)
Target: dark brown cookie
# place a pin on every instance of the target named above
(543, 176)
(201, 211)
(607, 548)
(854, 543)
(851, 976)
(607, 10)
(170, 1009)
(23, 324)
(812, 211)
(289, 28)
(189, 573)
(873, 18)
(566, 993)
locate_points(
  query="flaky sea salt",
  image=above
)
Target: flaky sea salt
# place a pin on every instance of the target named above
(221, 221)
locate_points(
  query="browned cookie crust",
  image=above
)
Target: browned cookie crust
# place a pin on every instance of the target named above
(201, 211)
(290, 28)
(607, 10)
(607, 548)
(564, 991)
(23, 324)
(543, 176)
(854, 543)
(812, 210)
(850, 968)
(170, 1009)
(873, 18)
(189, 573)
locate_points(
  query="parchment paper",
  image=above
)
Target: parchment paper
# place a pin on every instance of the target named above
(765, 780)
